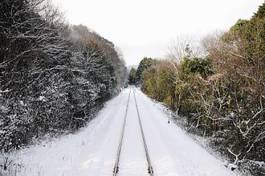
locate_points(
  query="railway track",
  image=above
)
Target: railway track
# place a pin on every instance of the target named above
(117, 162)
(147, 155)
(150, 168)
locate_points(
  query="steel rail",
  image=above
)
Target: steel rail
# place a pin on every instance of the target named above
(117, 162)
(150, 168)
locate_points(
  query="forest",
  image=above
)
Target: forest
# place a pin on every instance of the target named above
(220, 92)
(54, 77)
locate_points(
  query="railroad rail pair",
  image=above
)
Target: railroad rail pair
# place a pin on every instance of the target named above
(147, 155)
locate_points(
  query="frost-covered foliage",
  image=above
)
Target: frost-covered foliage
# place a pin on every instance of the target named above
(53, 77)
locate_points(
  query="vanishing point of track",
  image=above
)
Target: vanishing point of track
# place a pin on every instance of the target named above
(147, 155)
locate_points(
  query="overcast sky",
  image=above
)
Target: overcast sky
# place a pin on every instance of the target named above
(148, 27)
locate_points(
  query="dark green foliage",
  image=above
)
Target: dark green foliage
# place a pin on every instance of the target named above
(159, 82)
(144, 64)
(132, 76)
(196, 66)
(261, 12)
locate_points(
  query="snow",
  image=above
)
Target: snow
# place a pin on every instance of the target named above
(133, 161)
(92, 151)
(172, 151)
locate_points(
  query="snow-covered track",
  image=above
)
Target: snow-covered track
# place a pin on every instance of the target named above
(94, 150)
(117, 162)
(150, 167)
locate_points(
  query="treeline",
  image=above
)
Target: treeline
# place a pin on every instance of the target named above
(135, 75)
(53, 76)
(221, 93)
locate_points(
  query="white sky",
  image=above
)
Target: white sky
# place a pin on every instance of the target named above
(147, 27)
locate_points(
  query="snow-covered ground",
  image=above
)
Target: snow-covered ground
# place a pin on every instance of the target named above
(92, 151)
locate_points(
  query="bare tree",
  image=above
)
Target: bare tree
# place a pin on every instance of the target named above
(184, 46)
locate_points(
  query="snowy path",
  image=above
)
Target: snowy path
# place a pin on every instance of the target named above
(92, 151)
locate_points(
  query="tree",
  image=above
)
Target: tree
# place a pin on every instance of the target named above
(184, 47)
(238, 94)
(159, 81)
(261, 12)
(132, 76)
(144, 64)
(54, 77)
(221, 95)
(196, 65)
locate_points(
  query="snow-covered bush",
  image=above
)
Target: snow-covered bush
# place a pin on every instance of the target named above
(50, 82)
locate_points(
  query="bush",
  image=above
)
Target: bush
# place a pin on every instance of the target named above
(53, 77)
(223, 94)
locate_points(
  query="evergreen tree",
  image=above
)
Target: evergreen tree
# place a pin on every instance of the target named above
(261, 12)
(144, 64)
(132, 76)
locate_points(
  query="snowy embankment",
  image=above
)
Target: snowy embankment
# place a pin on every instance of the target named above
(92, 151)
